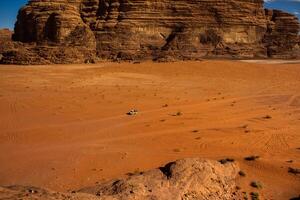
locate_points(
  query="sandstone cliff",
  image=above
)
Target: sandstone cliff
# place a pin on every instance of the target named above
(64, 31)
(5, 40)
(282, 38)
(188, 179)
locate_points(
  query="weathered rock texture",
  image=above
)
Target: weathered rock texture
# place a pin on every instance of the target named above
(5, 35)
(188, 179)
(5, 40)
(282, 38)
(63, 31)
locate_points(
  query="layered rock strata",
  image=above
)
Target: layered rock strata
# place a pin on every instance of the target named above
(5, 41)
(63, 31)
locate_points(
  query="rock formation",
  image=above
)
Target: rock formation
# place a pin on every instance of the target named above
(282, 38)
(74, 31)
(5, 35)
(5, 40)
(188, 179)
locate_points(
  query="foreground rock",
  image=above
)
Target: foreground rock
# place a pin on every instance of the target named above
(34, 193)
(77, 31)
(184, 179)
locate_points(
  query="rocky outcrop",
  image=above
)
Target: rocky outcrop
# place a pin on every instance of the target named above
(188, 179)
(53, 22)
(5, 41)
(52, 31)
(34, 193)
(179, 29)
(63, 31)
(183, 179)
(5, 35)
(282, 38)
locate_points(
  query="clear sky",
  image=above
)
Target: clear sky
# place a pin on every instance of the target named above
(292, 6)
(9, 9)
(8, 12)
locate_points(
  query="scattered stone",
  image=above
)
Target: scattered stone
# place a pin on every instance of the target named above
(177, 114)
(267, 117)
(294, 170)
(132, 112)
(244, 126)
(252, 158)
(295, 198)
(226, 160)
(32, 191)
(177, 150)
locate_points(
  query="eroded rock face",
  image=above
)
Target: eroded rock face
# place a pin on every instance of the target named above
(188, 179)
(53, 22)
(156, 29)
(52, 31)
(5, 40)
(5, 35)
(178, 29)
(282, 38)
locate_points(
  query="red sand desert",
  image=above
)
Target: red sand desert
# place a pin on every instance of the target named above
(65, 127)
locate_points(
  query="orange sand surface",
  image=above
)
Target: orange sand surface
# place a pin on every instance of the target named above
(65, 127)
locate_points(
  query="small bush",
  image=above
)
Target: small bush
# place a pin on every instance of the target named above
(254, 196)
(256, 184)
(226, 160)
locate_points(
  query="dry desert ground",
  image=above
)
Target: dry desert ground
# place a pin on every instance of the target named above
(65, 127)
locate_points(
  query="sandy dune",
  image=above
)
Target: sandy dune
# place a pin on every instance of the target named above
(65, 127)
